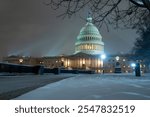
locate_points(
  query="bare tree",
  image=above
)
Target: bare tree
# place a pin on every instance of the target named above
(141, 47)
(120, 13)
(141, 3)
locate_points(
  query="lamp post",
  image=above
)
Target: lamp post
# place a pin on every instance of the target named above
(117, 58)
(103, 57)
(133, 65)
(117, 65)
(137, 69)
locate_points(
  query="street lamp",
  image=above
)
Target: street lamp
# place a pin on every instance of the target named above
(117, 58)
(133, 65)
(117, 66)
(103, 57)
(142, 3)
(20, 61)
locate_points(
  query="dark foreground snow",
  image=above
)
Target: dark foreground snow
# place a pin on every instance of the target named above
(107, 86)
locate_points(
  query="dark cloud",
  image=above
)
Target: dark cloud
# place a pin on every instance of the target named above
(28, 27)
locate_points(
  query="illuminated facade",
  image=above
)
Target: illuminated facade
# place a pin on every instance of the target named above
(81, 61)
(88, 50)
(87, 56)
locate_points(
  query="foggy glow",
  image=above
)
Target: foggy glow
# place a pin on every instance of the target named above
(83, 61)
(44, 34)
(99, 62)
(133, 65)
(103, 56)
(20, 60)
(117, 58)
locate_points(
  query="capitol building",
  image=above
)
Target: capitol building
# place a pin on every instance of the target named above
(89, 48)
(87, 56)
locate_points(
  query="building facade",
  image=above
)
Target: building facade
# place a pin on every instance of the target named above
(88, 50)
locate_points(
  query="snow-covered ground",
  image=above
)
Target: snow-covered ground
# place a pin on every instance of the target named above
(96, 86)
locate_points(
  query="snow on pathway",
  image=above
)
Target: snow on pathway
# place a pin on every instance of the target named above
(94, 87)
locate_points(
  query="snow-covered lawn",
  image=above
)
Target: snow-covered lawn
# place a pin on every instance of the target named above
(96, 86)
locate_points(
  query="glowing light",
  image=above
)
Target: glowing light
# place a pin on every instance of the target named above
(20, 60)
(62, 59)
(103, 56)
(133, 65)
(117, 58)
(83, 61)
(68, 63)
(99, 62)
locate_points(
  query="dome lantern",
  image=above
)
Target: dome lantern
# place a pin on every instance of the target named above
(89, 17)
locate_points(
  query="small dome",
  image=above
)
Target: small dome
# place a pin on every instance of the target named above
(89, 40)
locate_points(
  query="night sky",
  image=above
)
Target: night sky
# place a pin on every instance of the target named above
(29, 28)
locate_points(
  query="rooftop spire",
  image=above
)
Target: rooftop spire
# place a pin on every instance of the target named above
(89, 17)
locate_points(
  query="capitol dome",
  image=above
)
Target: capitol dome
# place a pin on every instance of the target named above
(89, 40)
